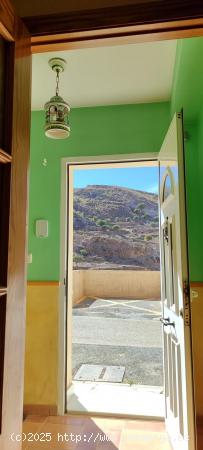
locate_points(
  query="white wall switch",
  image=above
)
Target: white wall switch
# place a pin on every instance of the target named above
(29, 258)
(42, 228)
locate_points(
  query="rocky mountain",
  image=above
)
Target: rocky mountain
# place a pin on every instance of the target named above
(115, 228)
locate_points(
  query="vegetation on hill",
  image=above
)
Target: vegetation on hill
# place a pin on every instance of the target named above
(115, 228)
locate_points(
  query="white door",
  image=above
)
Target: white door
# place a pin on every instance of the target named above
(175, 292)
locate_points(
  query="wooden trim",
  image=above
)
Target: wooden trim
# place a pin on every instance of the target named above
(2, 347)
(5, 173)
(5, 33)
(141, 22)
(3, 291)
(199, 420)
(5, 157)
(43, 283)
(15, 184)
(39, 410)
(57, 44)
(195, 284)
(147, 12)
(7, 20)
(117, 36)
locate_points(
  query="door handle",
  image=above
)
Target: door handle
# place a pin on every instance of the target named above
(166, 322)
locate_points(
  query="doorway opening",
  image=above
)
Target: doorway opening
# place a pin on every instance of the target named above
(90, 139)
(115, 362)
(141, 135)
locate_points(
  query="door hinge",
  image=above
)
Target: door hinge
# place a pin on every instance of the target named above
(186, 304)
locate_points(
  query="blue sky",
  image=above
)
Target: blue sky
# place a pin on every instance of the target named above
(141, 178)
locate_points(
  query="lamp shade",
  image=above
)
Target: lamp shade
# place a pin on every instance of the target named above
(57, 118)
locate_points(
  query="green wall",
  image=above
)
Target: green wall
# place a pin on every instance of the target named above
(195, 197)
(95, 131)
(117, 130)
(193, 213)
(187, 93)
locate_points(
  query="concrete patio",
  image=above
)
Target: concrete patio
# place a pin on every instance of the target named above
(120, 332)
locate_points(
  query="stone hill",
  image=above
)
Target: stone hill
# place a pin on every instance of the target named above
(115, 228)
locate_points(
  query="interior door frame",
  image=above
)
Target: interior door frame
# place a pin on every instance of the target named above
(139, 22)
(66, 238)
(118, 27)
(107, 31)
(14, 225)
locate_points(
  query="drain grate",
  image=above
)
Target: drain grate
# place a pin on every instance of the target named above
(95, 372)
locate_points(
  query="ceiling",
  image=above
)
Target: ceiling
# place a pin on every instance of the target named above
(135, 73)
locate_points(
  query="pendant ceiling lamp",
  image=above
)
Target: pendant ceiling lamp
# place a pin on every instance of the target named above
(57, 110)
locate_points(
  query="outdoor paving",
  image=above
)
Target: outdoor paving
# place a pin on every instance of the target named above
(126, 332)
(123, 333)
(124, 309)
(143, 364)
(96, 372)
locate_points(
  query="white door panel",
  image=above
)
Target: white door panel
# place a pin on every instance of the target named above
(175, 296)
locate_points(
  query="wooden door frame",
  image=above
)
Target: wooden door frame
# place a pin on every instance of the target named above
(146, 22)
(14, 160)
(141, 22)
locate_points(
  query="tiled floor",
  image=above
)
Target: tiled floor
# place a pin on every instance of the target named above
(79, 432)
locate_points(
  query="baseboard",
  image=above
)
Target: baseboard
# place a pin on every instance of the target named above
(39, 410)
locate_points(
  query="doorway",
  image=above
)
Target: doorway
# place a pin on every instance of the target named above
(8, 34)
(115, 307)
(177, 366)
(68, 285)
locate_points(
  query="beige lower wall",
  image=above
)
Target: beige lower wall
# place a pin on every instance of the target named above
(41, 358)
(116, 283)
(41, 350)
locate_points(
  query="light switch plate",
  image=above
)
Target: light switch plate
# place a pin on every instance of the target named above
(29, 258)
(42, 228)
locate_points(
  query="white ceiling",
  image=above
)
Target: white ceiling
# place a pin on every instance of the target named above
(135, 73)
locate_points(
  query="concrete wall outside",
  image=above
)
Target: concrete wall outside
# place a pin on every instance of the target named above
(116, 284)
(78, 286)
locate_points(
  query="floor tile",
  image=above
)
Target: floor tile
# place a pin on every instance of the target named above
(80, 432)
(143, 440)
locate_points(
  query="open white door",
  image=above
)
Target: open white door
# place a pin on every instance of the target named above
(175, 291)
